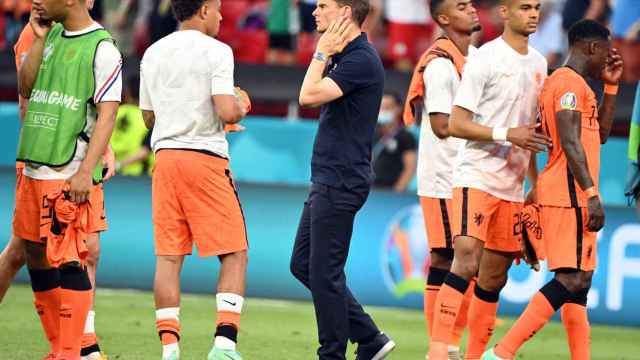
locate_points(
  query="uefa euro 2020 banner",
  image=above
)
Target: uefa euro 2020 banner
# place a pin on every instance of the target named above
(388, 259)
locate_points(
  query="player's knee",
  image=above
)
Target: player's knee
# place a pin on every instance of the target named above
(465, 266)
(494, 282)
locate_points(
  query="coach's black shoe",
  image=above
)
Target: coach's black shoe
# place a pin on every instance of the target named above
(376, 349)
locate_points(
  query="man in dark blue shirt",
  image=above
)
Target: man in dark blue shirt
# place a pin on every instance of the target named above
(346, 78)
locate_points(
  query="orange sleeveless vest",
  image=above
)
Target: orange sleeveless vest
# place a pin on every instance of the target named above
(443, 47)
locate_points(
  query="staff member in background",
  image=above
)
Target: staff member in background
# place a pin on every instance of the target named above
(394, 153)
(346, 79)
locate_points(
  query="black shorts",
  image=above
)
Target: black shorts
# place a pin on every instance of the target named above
(281, 41)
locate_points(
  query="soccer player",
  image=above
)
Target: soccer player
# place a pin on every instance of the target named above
(72, 72)
(495, 111)
(187, 96)
(12, 258)
(346, 79)
(571, 208)
(435, 81)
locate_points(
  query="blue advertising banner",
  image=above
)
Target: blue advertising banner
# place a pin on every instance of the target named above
(388, 256)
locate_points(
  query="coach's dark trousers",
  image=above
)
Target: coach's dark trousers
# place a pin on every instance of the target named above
(318, 260)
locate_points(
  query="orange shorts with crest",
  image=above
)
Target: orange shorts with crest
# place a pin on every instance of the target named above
(32, 215)
(492, 220)
(195, 201)
(437, 221)
(567, 242)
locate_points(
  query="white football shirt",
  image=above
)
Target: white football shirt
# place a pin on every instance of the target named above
(178, 76)
(436, 156)
(500, 86)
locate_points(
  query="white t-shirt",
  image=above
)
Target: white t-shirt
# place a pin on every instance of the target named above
(407, 11)
(178, 76)
(436, 156)
(500, 86)
(107, 71)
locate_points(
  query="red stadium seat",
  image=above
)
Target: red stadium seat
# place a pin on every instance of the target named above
(251, 46)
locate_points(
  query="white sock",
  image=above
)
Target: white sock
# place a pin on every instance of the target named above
(227, 302)
(89, 326)
(169, 349)
(169, 313)
(452, 348)
(224, 343)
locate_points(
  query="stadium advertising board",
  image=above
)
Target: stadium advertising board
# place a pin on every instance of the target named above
(388, 256)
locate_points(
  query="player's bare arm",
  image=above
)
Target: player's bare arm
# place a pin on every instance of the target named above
(23, 104)
(317, 90)
(80, 184)
(440, 124)
(29, 69)
(462, 126)
(610, 75)
(149, 118)
(229, 108)
(569, 127)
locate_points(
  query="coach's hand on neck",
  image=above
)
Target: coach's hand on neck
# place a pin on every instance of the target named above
(336, 37)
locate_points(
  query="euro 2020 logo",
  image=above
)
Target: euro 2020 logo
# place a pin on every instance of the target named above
(405, 253)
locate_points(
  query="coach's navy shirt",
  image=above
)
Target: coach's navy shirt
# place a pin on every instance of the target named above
(342, 148)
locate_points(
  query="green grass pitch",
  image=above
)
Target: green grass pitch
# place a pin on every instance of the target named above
(270, 330)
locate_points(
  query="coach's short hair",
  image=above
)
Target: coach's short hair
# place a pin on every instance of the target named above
(185, 9)
(587, 30)
(434, 8)
(359, 8)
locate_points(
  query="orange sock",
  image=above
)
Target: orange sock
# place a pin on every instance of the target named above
(576, 322)
(540, 309)
(482, 321)
(168, 325)
(446, 311)
(435, 279)
(75, 303)
(461, 320)
(46, 292)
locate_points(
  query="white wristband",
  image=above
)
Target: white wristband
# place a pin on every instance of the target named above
(499, 134)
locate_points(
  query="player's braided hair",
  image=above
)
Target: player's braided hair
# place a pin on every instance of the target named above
(185, 9)
(585, 30)
(359, 8)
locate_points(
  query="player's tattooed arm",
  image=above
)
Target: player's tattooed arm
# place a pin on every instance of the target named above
(29, 70)
(149, 118)
(611, 76)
